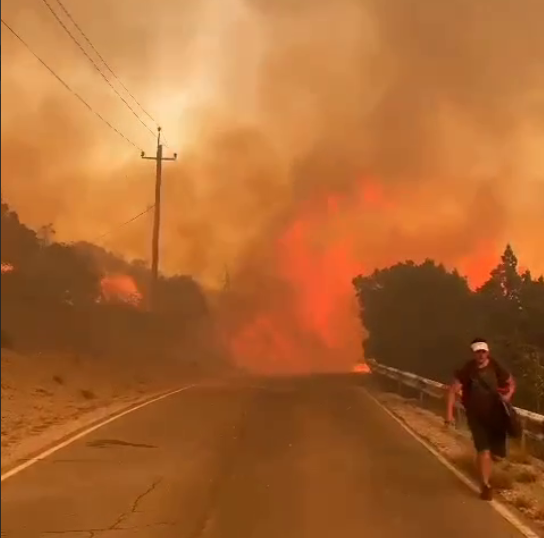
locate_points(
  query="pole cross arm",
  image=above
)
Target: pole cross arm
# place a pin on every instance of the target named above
(174, 158)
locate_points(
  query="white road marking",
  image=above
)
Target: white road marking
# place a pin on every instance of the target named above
(498, 506)
(87, 431)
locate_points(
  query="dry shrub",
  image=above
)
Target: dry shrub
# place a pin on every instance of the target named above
(538, 513)
(518, 455)
(521, 501)
(502, 479)
(525, 475)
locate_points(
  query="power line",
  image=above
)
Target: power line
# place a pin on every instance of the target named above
(74, 39)
(81, 31)
(123, 224)
(72, 91)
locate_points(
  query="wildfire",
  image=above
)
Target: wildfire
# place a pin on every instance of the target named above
(311, 323)
(120, 289)
(362, 368)
(303, 313)
(7, 268)
(113, 288)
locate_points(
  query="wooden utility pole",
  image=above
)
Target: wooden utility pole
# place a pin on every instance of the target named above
(226, 282)
(156, 217)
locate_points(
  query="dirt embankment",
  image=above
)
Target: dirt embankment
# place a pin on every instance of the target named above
(47, 396)
(519, 479)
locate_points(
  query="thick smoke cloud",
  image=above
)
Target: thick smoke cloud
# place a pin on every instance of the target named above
(385, 130)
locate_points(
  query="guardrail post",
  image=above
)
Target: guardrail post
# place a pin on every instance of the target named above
(523, 440)
(421, 388)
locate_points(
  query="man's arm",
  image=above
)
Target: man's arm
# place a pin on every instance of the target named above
(509, 387)
(453, 391)
(506, 382)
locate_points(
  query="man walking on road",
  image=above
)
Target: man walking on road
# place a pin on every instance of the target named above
(482, 381)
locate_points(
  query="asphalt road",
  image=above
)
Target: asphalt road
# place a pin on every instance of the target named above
(291, 458)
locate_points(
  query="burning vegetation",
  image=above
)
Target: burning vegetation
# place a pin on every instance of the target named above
(7, 268)
(120, 289)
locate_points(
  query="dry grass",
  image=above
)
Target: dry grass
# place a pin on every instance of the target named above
(518, 456)
(539, 513)
(525, 475)
(503, 480)
(522, 502)
(519, 479)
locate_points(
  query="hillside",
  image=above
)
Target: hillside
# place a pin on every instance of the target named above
(77, 335)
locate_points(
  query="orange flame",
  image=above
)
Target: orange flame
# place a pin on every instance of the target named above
(7, 268)
(312, 322)
(362, 368)
(120, 289)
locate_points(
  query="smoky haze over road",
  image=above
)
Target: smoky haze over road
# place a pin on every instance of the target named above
(310, 457)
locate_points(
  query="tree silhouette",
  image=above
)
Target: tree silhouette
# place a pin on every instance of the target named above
(421, 318)
(50, 298)
(418, 317)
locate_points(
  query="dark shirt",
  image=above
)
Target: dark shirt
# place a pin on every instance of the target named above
(479, 400)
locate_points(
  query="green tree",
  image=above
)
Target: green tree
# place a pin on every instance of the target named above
(512, 305)
(19, 243)
(530, 378)
(505, 281)
(418, 317)
(500, 302)
(67, 276)
(532, 310)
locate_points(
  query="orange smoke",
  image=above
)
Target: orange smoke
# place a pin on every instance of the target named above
(120, 289)
(477, 266)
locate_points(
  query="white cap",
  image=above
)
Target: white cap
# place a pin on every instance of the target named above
(480, 346)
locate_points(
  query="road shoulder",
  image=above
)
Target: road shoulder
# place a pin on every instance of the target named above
(519, 480)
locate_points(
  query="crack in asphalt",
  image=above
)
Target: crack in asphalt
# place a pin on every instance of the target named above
(135, 504)
(92, 533)
(89, 533)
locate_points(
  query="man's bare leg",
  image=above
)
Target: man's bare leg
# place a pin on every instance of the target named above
(484, 471)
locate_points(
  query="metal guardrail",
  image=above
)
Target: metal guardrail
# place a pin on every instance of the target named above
(533, 423)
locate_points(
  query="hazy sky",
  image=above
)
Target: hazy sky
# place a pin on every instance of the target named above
(419, 125)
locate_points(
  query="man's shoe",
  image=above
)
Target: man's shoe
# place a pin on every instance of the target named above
(486, 493)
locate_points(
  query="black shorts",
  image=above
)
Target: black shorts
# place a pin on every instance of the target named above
(487, 437)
